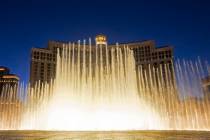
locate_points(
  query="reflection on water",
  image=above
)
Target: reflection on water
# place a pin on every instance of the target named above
(107, 135)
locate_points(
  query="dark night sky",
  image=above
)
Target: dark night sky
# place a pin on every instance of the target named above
(185, 24)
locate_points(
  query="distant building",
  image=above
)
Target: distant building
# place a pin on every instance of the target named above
(9, 102)
(8, 83)
(43, 60)
(206, 87)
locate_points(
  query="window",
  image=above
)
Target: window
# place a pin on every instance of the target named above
(36, 55)
(48, 65)
(160, 56)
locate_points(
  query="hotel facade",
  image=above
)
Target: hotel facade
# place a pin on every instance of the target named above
(146, 54)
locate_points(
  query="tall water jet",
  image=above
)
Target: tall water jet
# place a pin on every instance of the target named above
(95, 89)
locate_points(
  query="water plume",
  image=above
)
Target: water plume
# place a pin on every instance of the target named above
(101, 88)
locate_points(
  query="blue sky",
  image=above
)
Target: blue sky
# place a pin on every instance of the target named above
(26, 24)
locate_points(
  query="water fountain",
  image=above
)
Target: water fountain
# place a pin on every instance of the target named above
(100, 89)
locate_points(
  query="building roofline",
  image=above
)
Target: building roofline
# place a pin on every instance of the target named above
(164, 47)
(3, 67)
(60, 41)
(135, 42)
(139, 42)
(40, 49)
(121, 43)
(11, 76)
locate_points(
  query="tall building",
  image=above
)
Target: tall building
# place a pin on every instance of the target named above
(10, 104)
(206, 86)
(8, 81)
(43, 60)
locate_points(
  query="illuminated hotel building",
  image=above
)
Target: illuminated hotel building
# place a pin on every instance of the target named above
(9, 101)
(8, 80)
(43, 60)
